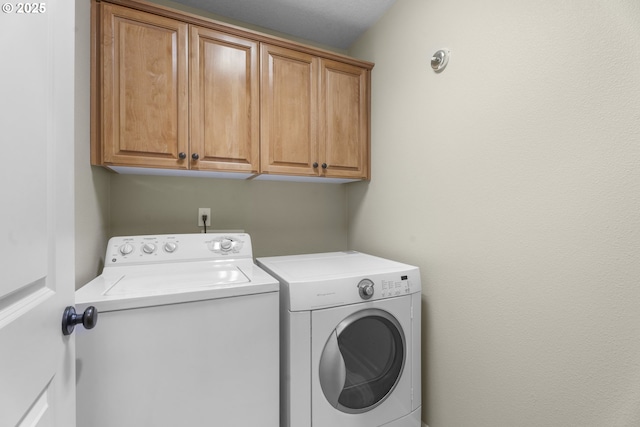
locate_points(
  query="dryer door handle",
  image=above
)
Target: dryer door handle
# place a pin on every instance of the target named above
(333, 371)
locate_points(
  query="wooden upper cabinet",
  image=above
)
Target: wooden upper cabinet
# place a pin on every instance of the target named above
(176, 91)
(144, 111)
(289, 112)
(224, 96)
(315, 115)
(344, 120)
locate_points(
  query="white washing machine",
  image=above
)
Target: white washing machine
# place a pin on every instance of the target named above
(187, 335)
(350, 340)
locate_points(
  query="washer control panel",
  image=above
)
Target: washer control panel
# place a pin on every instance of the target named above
(226, 245)
(177, 247)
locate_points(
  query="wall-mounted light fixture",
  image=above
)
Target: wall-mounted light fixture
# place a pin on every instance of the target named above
(440, 59)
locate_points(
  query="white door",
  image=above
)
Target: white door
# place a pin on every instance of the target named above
(37, 373)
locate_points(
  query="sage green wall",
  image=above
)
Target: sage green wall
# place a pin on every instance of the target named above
(281, 217)
(513, 180)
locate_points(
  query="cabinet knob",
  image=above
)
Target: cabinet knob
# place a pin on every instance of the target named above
(182, 155)
(315, 165)
(324, 166)
(195, 156)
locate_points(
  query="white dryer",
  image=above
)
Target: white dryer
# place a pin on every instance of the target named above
(350, 340)
(187, 335)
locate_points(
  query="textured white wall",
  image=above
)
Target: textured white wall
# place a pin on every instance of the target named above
(513, 180)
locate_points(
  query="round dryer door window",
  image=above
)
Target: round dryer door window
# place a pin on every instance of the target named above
(362, 361)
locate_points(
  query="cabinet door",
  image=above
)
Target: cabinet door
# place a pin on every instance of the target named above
(289, 89)
(344, 120)
(224, 102)
(144, 92)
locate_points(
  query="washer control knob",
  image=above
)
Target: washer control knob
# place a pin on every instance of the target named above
(365, 288)
(226, 244)
(126, 249)
(148, 248)
(170, 247)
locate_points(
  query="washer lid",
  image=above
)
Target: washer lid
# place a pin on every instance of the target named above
(178, 278)
(129, 287)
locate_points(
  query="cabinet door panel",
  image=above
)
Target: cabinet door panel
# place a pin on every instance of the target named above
(224, 102)
(144, 89)
(344, 126)
(289, 111)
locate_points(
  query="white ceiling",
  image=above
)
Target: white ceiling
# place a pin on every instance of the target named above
(335, 23)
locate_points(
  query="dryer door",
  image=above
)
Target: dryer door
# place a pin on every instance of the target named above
(362, 361)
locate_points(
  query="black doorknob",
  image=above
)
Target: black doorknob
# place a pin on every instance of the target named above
(70, 319)
(195, 156)
(182, 155)
(324, 166)
(315, 165)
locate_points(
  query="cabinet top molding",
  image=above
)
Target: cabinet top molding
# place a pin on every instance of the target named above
(191, 18)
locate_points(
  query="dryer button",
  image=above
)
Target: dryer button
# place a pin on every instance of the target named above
(365, 289)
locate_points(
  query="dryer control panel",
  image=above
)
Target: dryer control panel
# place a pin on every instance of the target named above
(394, 288)
(386, 288)
(317, 281)
(177, 247)
(315, 295)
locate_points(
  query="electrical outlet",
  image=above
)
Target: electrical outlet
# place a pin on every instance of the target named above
(207, 212)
